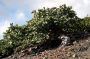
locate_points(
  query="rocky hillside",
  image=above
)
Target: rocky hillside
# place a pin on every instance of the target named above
(78, 50)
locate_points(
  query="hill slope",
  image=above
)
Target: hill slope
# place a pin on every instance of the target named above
(79, 50)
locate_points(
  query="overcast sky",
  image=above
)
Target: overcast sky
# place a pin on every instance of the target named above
(19, 11)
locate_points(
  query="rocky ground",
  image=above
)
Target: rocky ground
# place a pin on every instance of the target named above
(79, 50)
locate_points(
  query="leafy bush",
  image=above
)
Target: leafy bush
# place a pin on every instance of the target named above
(5, 48)
(86, 24)
(49, 23)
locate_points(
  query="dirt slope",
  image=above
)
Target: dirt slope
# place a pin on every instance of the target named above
(79, 50)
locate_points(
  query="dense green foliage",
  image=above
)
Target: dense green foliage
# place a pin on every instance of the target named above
(46, 24)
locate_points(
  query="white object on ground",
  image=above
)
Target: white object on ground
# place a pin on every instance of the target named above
(65, 40)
